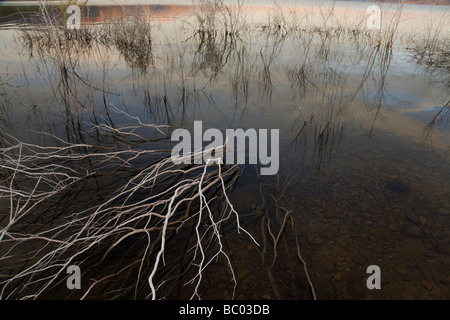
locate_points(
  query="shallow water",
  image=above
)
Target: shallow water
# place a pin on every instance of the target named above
(364, 175)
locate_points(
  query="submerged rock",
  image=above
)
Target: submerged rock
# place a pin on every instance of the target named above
(412, 230)
(409, 249)
(398, 187)
(444, 211)
(411, 217)
(427, 284)
(443, 247)
(401, 269)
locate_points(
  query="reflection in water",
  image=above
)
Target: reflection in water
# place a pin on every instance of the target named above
(96, 186)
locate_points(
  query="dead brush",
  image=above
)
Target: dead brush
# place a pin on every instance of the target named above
(149, 208)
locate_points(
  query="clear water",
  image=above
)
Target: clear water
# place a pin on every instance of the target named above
(364, 174)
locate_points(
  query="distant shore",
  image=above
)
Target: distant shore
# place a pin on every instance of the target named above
(131, 2)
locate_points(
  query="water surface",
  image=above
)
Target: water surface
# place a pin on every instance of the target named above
(364, 142)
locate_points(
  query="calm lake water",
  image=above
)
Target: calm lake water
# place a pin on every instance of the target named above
(364, 174)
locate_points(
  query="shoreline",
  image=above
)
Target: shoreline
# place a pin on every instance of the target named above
(300, 3)
(413, 17)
